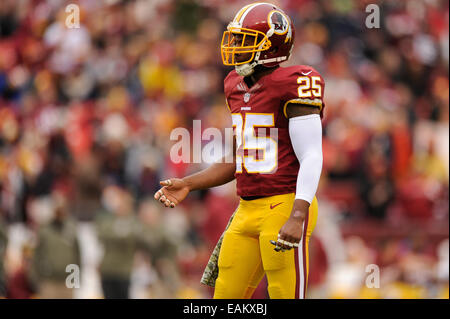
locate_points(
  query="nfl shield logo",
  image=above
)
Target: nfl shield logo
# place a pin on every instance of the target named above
(246, 97)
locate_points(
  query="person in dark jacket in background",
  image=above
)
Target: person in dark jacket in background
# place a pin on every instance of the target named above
(57, 247)
(121, 234)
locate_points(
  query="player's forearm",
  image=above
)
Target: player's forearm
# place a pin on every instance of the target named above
(300, 210)
(307, 182)
(309, 176)
(215, 175)
(306, 138)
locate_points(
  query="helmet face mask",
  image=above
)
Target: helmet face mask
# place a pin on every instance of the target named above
(260, 34)
(238, 41)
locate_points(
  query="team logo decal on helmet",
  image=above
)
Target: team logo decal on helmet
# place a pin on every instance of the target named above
(280, 24)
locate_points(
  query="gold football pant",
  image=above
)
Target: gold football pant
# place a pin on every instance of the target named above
(247, 254)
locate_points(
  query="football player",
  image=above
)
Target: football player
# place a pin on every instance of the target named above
(277, 177)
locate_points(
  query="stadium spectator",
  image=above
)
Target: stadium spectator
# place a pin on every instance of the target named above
(56, 248)
(122, 235)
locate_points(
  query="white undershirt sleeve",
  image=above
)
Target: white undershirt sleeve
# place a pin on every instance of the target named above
(306, 139)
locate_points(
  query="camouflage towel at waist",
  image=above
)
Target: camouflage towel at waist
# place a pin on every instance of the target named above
(211, 271)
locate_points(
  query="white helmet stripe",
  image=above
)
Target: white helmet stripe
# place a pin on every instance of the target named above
(240, 13)
(249, 8)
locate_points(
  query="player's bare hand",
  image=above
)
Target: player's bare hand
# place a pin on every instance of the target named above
(174, 190)
(289, 235)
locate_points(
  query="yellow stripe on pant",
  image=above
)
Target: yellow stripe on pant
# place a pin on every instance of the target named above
(247, 254)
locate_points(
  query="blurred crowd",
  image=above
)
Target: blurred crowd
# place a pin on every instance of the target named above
(85, 120)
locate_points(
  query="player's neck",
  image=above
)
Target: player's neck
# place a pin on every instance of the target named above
(258, 74)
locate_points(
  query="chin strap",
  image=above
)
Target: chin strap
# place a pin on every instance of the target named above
(245, 69)
(248, 68)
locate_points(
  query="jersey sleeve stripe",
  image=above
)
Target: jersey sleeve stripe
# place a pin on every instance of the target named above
(315, 102)
(226, 102)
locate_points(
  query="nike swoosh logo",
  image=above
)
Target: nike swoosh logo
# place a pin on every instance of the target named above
(306, 73)
(273, 206)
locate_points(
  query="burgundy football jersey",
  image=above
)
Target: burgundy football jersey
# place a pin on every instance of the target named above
(266, 164)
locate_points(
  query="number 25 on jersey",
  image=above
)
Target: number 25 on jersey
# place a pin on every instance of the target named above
(309, 87)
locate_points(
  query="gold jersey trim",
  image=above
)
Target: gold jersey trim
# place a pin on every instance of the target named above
(315, 102)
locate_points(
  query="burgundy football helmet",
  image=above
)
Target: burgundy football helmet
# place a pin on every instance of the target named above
(261, 33)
